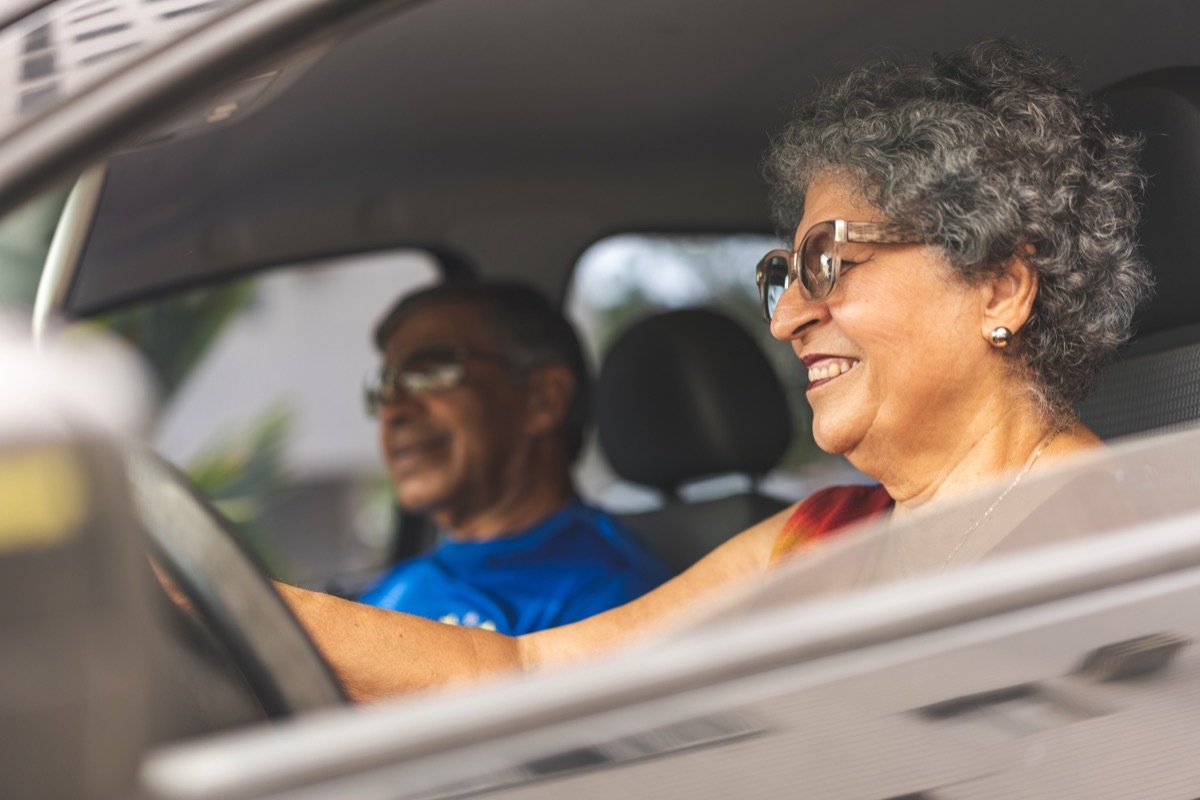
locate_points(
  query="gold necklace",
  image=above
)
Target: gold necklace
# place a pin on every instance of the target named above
(1028, 466)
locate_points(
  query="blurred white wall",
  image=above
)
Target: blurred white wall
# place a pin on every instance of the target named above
(304, 341)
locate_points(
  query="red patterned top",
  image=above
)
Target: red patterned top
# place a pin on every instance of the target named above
(826, 512)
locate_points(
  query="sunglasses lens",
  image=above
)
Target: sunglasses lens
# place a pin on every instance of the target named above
(426, 378)
(377, 389)
(773, 277)
(819, 262)
(433, 370)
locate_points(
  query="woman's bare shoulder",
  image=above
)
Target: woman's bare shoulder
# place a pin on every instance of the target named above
(756, 544)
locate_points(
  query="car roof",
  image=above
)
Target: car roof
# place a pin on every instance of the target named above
(509, 136)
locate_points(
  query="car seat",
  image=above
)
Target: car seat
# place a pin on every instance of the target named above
(1155, 382)
(682, 396)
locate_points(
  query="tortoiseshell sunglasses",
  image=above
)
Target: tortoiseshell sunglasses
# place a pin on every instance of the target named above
(817, 262)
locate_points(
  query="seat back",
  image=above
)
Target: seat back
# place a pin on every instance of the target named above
(683, 396)
(1155, 382)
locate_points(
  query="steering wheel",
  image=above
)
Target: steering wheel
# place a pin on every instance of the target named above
(200, 551)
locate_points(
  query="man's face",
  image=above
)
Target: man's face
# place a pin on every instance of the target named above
(449, 452)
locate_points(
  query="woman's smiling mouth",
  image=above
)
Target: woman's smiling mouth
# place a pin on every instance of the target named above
(823, 369)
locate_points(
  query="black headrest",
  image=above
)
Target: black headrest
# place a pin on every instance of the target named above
(1164, 105)
(687, 394)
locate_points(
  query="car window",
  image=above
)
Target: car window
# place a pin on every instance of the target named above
(25, 236)
(1140, 486)
(625, 278)
(260, 383)
(1030, 647)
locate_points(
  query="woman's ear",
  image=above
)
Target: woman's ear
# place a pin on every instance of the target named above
(1008, 296)
(549, 390)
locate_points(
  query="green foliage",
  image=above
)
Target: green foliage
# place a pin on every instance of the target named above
(243, 469)
(25, 236)
(174, 333)
(239, 472)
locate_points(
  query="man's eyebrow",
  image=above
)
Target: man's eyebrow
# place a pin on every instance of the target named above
(428, 349)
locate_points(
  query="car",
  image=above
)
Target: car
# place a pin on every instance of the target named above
(154, 156)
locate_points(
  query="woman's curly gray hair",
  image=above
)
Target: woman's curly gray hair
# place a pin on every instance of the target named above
(990, 153)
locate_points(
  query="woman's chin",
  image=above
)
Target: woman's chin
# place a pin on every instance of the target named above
(833, 439)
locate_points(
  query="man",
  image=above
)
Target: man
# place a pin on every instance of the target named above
(482, 401)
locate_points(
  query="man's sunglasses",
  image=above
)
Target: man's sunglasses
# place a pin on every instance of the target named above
(817, 262)
(434, 369)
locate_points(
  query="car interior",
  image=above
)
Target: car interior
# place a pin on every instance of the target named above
(502, 139)
(1153, 384)
(681, 396)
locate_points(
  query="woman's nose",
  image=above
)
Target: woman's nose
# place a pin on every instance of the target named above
(795, 313)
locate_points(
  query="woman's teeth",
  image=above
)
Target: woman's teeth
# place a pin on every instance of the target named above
(829, 369)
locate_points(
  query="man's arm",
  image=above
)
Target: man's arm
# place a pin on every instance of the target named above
(378, 653)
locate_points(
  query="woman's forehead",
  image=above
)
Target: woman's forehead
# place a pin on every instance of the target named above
(834, 196)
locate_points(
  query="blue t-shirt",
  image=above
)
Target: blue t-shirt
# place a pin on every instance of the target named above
(577, 562)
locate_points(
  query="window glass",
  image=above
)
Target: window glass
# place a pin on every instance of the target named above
(261, 403)
(625, 278)
(25, 236)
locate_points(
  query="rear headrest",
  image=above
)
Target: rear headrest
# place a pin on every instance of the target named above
(1164, 105)
(688, 394)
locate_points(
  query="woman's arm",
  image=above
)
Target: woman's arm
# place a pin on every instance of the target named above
(379, 653)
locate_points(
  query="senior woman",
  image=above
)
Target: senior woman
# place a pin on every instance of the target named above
(964, 262)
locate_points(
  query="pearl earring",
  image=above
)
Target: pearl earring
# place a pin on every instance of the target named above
(1001, 336)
